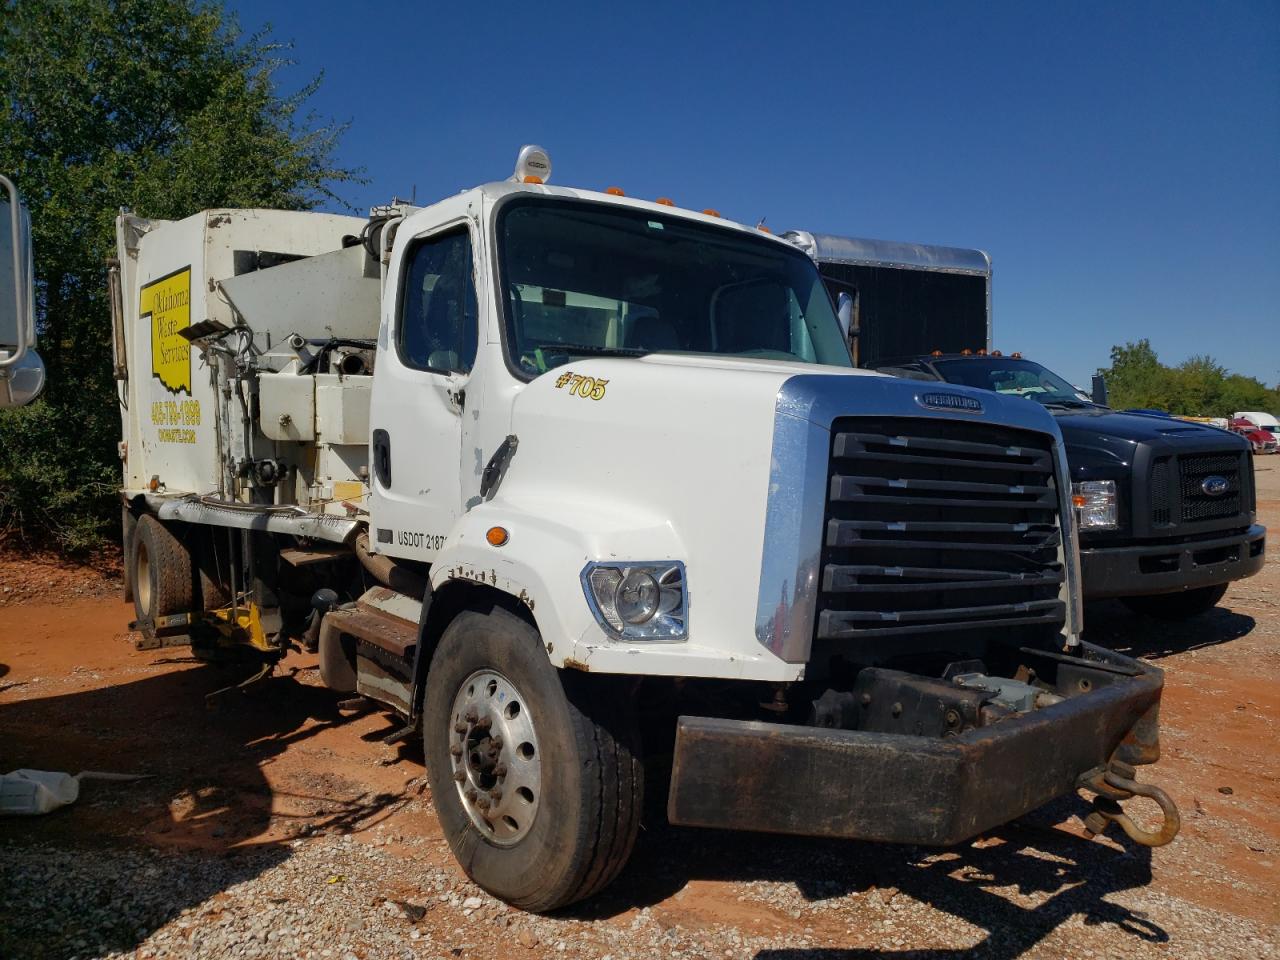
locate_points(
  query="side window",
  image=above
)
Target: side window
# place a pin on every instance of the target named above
(437, 323)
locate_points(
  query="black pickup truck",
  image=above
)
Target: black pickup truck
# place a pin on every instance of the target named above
(1165, 507)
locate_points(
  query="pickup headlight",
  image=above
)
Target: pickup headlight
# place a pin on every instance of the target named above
(638, 601)
(1096, 504)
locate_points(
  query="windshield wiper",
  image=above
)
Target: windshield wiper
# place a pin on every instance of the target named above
(588, 350)
(1070, 404)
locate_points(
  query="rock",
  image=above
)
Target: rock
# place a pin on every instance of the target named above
(472, 903)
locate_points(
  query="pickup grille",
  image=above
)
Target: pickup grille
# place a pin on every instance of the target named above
(1198, 505)
(935, 526)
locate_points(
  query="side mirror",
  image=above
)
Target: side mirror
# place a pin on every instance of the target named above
(844, 312)
(1099, 390)
(21, 370)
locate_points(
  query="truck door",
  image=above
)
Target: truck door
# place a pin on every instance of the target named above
(425, 354)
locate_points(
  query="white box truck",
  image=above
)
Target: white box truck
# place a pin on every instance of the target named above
(568, 479)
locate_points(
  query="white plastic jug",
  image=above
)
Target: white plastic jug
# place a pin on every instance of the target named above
(32, 792)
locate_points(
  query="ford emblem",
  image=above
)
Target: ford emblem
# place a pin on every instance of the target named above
(1215, 486)
(950, 401)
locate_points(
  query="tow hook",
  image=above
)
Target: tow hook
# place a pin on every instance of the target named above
(1115, 784)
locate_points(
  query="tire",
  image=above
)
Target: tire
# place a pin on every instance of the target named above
(161, 572)
(1176, 606)
(582, 820)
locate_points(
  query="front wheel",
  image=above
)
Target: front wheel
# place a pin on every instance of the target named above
(1177, 606)
(536, 777)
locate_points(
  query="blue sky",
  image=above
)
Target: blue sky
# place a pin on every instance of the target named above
(1120, 163)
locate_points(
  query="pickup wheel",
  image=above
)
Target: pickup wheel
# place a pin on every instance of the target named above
(535, 775)
(160, 571)
(1176, 606)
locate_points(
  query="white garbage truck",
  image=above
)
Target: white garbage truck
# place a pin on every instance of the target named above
(582, 486)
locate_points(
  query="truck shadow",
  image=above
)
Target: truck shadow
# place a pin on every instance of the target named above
(1068, 876)
(1110, 624)
(205, 819)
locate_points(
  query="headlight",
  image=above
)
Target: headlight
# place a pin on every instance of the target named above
(638, 601)
(1096, 505)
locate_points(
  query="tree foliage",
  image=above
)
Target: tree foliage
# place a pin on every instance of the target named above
(160, 106)
(1198, 387)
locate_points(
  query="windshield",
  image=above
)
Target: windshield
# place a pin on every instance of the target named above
(1022, 378)
(582, 279)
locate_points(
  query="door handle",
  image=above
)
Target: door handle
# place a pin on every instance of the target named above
(382, 458)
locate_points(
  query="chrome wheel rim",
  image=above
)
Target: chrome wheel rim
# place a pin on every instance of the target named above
(494, 757)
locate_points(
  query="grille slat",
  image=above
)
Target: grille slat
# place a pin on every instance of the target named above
(919, 508)
(871, 579)
(929, 460)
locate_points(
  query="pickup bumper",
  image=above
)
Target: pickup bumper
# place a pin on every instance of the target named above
(776, 778)
(1168, 568)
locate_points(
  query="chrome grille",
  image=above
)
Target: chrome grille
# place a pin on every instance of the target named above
(938, 525)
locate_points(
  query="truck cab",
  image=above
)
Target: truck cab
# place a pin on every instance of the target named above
(1165, 507)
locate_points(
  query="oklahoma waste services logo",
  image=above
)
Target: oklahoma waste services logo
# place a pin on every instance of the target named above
(168, 301)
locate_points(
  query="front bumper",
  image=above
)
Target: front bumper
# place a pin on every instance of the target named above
(776, 778)
(1169, 568)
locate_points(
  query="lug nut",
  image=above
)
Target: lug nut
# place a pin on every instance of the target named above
(471, 794)
(500, 770)
(495, 743)
(484, 723)
(455, 750)
(459, 728)
(459, 776)
(470, 716)
(483, 803)
(495, 794)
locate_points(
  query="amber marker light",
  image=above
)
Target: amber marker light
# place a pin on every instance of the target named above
(966, 352)
(665, 201)
(936, 353)
(497, 536)
(615, 192)
(711, 213)
(532, 179)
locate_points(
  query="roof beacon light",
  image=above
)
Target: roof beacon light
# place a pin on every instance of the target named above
(533, 165)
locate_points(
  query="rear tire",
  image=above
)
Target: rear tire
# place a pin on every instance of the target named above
(1177, 606)
(160, 571)
(575, 774)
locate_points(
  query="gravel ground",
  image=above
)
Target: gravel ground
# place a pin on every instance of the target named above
(332, 897)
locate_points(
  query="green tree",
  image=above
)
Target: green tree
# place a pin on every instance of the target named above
(161, 106)
(1198, 387)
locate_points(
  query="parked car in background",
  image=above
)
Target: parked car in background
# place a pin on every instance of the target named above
(1263, 421)
(1260, 439)
(1165, 508)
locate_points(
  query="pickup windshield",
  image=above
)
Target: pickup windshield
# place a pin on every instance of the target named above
(586, 280)
(1022, 378)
